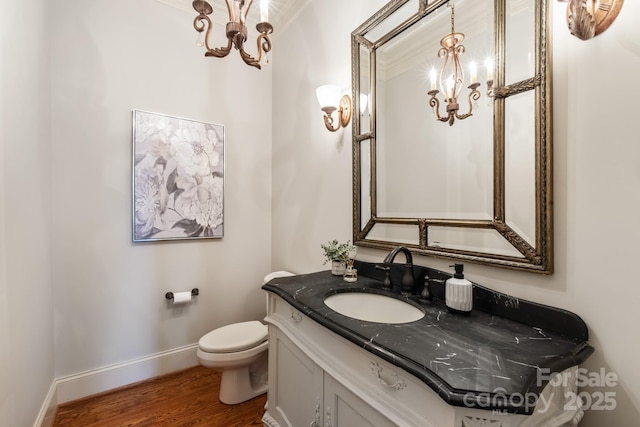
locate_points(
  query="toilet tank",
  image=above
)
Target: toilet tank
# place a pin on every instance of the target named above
(273, 275)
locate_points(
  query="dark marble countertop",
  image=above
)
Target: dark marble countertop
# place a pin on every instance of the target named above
(498, 357)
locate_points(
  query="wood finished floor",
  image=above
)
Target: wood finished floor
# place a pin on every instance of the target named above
(186, 398)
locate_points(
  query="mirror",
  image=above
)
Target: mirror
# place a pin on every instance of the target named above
(479, 189)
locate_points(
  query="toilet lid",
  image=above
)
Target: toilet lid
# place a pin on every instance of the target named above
(234, 337)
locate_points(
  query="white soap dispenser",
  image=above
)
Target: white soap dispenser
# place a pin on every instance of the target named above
(458, 292)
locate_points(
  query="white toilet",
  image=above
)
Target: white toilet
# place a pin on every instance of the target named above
(240, 350)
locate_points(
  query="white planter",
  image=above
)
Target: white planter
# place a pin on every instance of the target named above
(338, 268)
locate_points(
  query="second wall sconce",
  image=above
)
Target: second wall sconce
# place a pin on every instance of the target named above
(331, 102)
(588, 18)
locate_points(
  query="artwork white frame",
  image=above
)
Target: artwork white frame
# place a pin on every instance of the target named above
(178, 178)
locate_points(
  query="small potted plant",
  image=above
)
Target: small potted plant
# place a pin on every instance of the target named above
(339, 255)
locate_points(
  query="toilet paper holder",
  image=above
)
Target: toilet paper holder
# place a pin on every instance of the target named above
(194, 292)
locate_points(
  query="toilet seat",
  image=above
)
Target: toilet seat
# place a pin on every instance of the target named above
(233, 338)
(231, 360)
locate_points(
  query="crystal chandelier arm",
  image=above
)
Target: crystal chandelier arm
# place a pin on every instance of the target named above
(474, 95)
(458, 71)
(250, 60)
(202, 23)
(435, 104)
(220, 52)
(263, 43)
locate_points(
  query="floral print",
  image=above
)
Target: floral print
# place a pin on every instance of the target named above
(178, 178)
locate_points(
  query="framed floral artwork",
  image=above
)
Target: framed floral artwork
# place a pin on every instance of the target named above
(178, 178)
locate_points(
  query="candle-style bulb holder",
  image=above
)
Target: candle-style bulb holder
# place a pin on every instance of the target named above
(490, 88)
(453, 107)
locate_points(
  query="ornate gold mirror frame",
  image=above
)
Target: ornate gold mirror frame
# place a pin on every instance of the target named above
(533, 253)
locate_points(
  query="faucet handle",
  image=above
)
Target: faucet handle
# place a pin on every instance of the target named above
(387, 277)
(426, 289)
(434, 291)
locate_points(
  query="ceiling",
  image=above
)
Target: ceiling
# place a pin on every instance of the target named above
(281, 12)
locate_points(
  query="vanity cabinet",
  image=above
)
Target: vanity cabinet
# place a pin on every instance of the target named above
(343, 408)
(303, 394)
(296, 393)
(326, 370)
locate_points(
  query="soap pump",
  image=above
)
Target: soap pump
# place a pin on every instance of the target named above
(459, 292)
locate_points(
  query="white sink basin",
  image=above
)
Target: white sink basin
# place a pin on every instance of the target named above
(373, 307)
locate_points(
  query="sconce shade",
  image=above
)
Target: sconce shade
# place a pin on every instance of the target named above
(328, 95)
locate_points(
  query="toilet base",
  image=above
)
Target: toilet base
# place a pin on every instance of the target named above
(240, 384)
(244, 373)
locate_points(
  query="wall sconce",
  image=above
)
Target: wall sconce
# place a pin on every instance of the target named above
(364, 103)
(489, 65)
(452, 80)
(328, 98)
(236, 29)
(588, 18)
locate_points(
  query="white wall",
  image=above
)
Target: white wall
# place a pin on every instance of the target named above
(26, 308)
(75, 293)
(596, 177)
(65, 186)
(109, 57)
(311, 166)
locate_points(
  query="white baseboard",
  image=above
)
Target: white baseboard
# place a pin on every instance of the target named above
(87, 383)
(47, 412)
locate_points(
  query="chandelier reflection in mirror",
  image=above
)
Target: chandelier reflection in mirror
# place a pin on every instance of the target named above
(236, 30)
(452, 77)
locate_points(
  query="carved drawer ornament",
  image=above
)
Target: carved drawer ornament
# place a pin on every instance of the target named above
(295, 316)
(396, 382)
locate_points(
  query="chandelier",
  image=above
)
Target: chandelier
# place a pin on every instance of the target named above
(451, 77)
(236, 30)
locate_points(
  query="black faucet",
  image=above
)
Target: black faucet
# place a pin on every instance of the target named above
(408, 281)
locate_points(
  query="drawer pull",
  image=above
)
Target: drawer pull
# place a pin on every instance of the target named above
(296, 316)
(396, 382)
